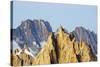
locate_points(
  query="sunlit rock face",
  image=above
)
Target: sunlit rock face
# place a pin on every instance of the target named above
(65, 48)
(70, 50)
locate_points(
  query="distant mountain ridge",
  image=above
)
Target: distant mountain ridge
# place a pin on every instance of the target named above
(31, 33)
(80, 33)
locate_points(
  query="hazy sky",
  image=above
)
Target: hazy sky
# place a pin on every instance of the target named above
(67, 15)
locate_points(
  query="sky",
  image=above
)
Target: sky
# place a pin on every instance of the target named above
(67, 15)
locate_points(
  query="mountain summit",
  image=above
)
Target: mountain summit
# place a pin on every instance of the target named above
(80, 33)
(32, 34)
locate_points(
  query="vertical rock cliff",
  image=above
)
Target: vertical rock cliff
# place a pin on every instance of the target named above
(65, 47)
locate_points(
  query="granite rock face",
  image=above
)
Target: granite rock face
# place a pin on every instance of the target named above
(80, 33)
(31, 34)
(65, 47)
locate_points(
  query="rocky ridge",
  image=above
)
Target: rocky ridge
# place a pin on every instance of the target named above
(63, 47)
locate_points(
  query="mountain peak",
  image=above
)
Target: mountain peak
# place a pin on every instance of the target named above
(30, 32)
(80, 33)
(61, 28)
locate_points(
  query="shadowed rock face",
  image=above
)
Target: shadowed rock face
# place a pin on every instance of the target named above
(31, 33)
(62, 47)
(87, 36)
